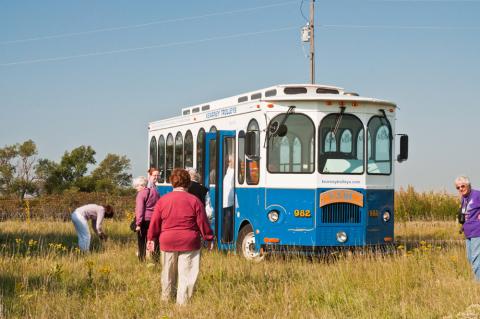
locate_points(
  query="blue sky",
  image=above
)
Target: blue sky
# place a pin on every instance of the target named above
(96, 72)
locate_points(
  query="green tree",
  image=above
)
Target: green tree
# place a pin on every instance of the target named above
(70, 172)
(7, 168)
(111, 174)
(49, 176)
(74, 165)
(24, 181)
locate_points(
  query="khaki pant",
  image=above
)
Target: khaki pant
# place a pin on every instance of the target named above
(183, 265)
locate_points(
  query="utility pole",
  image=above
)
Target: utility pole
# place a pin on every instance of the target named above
(312, 43)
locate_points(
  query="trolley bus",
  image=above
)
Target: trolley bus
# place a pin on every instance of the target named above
(313, 164)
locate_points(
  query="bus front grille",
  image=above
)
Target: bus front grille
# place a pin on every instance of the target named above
(341, 213)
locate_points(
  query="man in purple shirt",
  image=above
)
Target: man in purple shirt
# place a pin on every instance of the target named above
(471, 210)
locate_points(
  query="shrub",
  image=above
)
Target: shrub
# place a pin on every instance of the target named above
(412, 205)
(59, 207)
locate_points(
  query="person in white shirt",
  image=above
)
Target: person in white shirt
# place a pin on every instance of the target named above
(95, 213)
(228, 201)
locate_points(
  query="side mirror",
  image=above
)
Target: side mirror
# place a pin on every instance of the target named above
(282, 130)
(403, 156)
(250, 144)
(277, 129)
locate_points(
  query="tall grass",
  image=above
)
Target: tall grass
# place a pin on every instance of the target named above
(60, 206)
(44, 276)
(409, 205)
(413, 205)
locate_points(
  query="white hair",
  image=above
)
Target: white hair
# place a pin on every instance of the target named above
(139, 181)
(194, 176)
(462, 179)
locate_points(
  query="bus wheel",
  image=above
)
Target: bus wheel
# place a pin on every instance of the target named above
(246, 244)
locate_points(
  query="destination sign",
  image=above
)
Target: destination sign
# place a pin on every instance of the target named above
(222, 112)
(341, 196)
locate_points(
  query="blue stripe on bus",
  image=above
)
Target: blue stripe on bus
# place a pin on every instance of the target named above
(253, 205)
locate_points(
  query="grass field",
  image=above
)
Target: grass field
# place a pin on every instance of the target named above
(42, 275)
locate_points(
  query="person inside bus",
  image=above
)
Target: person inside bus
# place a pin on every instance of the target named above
(144, 204)
(95, 213)
(179, 222)
(470, 206)
(200, 191)
(153, 174)
(228, 201)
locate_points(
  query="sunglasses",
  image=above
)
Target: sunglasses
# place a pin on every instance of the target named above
(461, 187)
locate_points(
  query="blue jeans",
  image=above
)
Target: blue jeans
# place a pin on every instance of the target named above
(83, 233)
(473, 255)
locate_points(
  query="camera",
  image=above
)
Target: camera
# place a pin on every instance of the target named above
(461, 216)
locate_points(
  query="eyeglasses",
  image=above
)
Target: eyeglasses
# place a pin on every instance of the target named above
(461, 187)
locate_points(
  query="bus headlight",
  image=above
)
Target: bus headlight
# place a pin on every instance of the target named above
(342, 237)
(386, 216)
(273, 216)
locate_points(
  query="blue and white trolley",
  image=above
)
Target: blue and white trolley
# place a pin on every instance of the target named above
(314, 166)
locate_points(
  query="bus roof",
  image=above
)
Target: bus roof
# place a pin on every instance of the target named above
(284, 92)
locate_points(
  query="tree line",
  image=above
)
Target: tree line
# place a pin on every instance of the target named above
(22, 172)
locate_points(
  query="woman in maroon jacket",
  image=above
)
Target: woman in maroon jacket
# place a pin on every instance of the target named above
(179, 220)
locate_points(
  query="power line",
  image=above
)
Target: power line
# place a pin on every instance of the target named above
(301, 11)
(239, 35)
(351, 26)
(156, 46)
(143, 25)
(455, 1)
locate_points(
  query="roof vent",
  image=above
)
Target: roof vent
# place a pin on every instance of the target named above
(295, 90)
(350, 93)
(243, 99)
(326, 91)
(256, 96)
(270, 93)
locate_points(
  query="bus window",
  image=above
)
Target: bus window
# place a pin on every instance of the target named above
(161, 158)
(346, 141)
(153, 152)
(253, 163)
(169, 157)
(179, 150)
(213, 129)
(297, 154)
(200, 153)
(330, 142)
(292, 153)
(212, 174)
(241, 157)
(188, 154)
(380, 147)
(339, 155)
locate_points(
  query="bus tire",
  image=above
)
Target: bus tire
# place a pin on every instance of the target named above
(246, 244)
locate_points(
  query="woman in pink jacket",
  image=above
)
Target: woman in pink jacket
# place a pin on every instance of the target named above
(179, 221)
(144, 204)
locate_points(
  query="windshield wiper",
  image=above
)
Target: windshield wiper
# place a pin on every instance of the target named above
(339, 120)
(385, 121)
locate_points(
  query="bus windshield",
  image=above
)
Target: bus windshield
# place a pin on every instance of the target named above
(293, 152)
(379, 146)
(341, 145)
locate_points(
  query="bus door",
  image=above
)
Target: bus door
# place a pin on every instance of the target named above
(220, 178)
